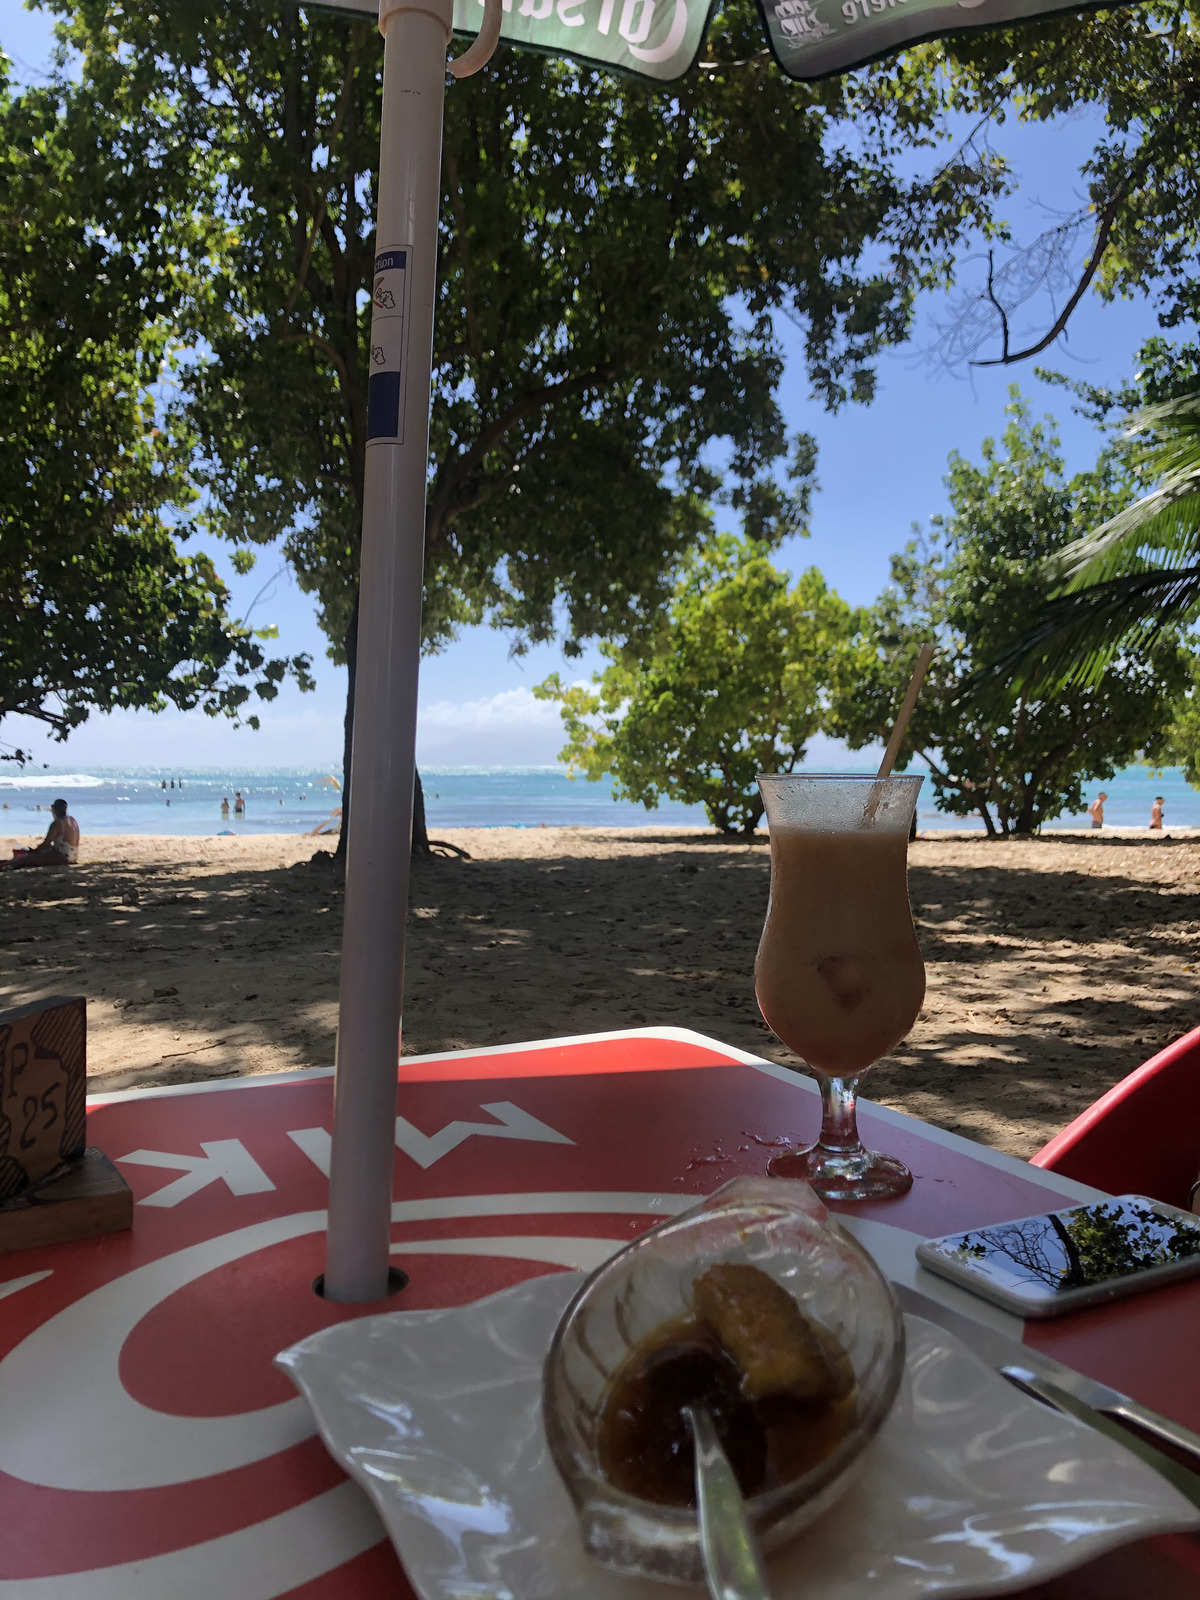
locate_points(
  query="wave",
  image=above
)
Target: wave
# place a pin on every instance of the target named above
(57, 780)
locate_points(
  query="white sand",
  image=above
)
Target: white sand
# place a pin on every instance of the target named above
(1055, 966)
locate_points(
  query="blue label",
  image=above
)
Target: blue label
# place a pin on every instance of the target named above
(385, 388)
(383, 405)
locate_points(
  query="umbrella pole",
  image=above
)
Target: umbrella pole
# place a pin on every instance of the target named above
(416, 34)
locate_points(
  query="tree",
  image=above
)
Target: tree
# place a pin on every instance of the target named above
(1181, 744)
(733, 685)
(98, 606)
(1119, 586)
(1122, 584)
(1140, 227)
(994, 749)
(612, 256)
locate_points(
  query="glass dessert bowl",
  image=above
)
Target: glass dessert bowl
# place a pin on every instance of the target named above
(756, 1304)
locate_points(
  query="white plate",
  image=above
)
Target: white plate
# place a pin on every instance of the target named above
(970, 1488)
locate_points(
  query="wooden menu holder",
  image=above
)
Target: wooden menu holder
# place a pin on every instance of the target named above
(51, 1186)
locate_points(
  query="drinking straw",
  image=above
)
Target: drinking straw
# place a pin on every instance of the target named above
(924, 656)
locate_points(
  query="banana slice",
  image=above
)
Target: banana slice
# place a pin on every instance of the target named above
(766, 1333)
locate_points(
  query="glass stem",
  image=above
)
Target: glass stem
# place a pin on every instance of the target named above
(839, 1119)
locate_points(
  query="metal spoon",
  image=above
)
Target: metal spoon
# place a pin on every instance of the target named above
(733, 1562)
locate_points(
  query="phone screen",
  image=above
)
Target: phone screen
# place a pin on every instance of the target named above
(1040, 1258)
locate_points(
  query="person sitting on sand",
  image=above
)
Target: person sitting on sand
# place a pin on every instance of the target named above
(1096, 810)
(60, 847)
(1156, 812)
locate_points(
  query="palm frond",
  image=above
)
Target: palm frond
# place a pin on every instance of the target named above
(1182, 413)
(1075, 636)
(1164, 524)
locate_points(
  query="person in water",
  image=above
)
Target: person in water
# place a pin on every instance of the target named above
(60, 847)
(225, 805)
(239, 805)
(1096, 810)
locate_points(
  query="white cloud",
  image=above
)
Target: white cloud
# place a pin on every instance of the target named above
(300, 737)
(511, 708)
(510, 728)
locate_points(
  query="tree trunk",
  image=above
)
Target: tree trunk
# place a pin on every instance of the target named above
(348, 731)
(987, 822)
(1027, 819)
(420, 833)
(421, 844)
(1075, 1277)
(751, 819)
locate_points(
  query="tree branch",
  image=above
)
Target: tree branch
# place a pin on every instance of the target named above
(1003, 315)
(474, 345)
(441, 506)
(323, 200)
(321, 344)
(1104, 227)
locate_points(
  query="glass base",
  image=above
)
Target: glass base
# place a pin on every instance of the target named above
(844, 1174)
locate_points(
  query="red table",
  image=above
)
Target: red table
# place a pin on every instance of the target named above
(148, 1449)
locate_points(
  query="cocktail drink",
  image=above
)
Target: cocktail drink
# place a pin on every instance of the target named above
(839, 975)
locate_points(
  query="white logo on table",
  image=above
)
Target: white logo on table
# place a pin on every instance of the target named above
(90, 1433)
(224, 1161)
(228, 1161)
(511, 1123)
(427, 1148)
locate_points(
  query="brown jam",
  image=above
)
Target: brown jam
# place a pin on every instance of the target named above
(645, 1443)
(779, 1389)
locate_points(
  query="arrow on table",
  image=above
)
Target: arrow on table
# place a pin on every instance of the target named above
(224, 1160)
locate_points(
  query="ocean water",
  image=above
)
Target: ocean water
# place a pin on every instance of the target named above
(1130, 796)
(106, 800)
(298, 800)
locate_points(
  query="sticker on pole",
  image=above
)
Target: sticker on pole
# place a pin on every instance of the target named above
(385, 386)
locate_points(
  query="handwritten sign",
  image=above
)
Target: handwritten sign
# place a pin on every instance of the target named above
(43, 1084)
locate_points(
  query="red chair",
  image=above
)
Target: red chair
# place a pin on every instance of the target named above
(1143, 1136)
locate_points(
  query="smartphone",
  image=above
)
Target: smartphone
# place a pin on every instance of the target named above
(1065, 1260)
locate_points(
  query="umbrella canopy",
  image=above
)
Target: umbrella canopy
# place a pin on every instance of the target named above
(659, 40)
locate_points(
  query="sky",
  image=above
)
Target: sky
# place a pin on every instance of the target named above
(880, 469)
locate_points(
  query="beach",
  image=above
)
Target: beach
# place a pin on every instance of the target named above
(295, 800)
(1055, 965)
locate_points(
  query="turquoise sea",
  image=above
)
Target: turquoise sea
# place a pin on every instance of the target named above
(298, 800)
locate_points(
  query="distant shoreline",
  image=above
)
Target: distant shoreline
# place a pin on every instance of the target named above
(328, 841)
(289, 803)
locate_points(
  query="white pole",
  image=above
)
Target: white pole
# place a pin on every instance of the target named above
(416, 33)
